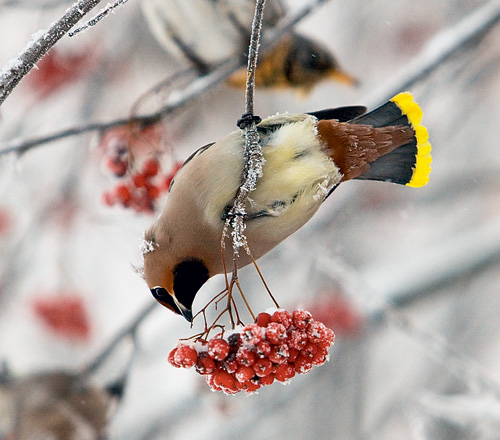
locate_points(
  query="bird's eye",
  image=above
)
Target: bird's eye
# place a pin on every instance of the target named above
(159, 292)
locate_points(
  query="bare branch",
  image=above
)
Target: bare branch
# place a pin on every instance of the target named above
(193, 90)
(104, 12)
(253, 157)
(42, 41)
(128, 330)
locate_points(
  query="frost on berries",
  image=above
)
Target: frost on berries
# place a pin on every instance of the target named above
(276, 347)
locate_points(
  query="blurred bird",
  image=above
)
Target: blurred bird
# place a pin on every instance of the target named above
(208, 32)
(55, 406)
(306, 157)
(296, 62)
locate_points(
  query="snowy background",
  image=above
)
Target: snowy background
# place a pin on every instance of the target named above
(407, 278)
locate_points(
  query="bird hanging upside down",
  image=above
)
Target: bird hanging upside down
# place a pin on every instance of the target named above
(306, 157)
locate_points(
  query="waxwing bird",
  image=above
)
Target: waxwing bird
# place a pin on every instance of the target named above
(208, 32)
(306, 157)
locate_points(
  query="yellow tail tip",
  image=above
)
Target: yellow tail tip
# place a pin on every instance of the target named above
(423, 161)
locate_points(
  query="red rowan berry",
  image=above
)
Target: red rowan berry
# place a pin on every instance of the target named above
(251, 334)
(301, 318)
(262, 349)
(284, 372)
(267, 380)
(275, 332)
(139, 180)
(151, 167)
(123, 193)
(279, 354)
(108, 198)
(262, 367)
(251, 387)
(117, 166)
(230, 363)
(205, 364)
(171, 358)
(296, 339)
(282, 317)
(244, 374)
(218, 349)
(185, 356)
(309, 350)
(223, 379)
(316, 331)
(302, 365)
(292, 354)
(328, 339)
(245, 357)
(263, 319)
(153, 192)
(320, 357)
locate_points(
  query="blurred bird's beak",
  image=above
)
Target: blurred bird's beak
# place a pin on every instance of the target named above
(343, 77)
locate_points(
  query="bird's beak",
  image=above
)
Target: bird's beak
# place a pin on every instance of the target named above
(171, 302)
(343, 77)
(187, 313)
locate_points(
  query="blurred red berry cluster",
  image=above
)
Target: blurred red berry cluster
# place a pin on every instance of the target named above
(57, 69)
(137, 189)
(338, 313)
(276, 347)
(65, 315)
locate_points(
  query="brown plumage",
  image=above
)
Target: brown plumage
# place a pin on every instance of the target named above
(353, 147)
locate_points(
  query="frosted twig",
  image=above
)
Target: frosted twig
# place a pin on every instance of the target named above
(253, 158)
(192, 91)
(42, 41)
(473, 27)
(103, 13)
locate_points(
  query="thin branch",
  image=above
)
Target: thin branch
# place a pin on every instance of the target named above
(253, 53)
(128, 330)
(42, 41)
(252, 155)
(103, 13)
(176, 101)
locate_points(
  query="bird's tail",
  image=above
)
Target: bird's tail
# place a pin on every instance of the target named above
(410, 163)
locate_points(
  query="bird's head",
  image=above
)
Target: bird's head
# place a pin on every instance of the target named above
(174, 281)
(313, 62)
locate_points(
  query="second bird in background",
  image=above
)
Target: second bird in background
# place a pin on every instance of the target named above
(208, 32)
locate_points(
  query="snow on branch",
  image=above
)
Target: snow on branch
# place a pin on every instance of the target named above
(42, 41)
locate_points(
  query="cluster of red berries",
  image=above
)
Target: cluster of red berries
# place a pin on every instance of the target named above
(65, 315)
(276, 347)
(137, 188)
(140, 189)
